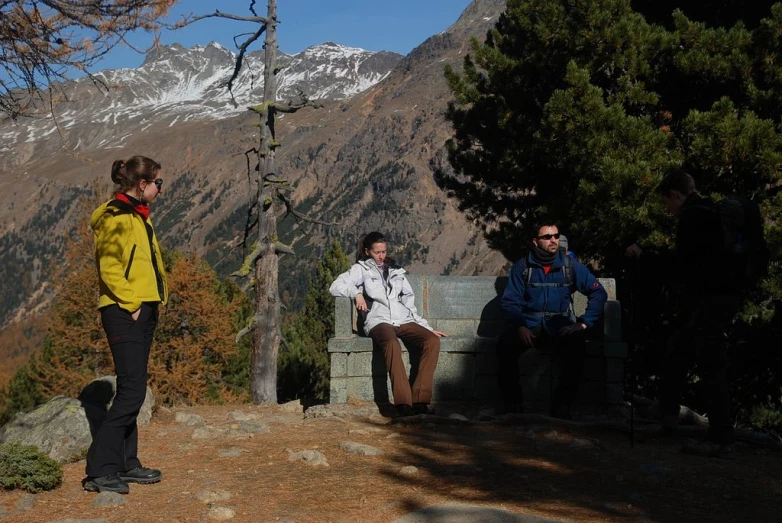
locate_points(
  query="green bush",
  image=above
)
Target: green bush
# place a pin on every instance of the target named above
(26, 467)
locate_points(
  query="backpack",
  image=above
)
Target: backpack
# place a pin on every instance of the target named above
(570, 278)
(567, 270)
(744, 243)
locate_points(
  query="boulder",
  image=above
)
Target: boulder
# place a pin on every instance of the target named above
(63, 427)
(99, 393)
(58, 428)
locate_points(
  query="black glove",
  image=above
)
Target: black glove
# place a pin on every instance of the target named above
(571, 329)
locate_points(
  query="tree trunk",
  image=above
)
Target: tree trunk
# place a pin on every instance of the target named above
(266, 336)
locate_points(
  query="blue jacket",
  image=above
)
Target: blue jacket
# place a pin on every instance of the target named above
(533, 306)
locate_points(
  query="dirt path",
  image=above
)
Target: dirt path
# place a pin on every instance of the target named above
(536, 468)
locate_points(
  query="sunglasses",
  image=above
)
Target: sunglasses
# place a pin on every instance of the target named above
(158, 182)
(548, 236)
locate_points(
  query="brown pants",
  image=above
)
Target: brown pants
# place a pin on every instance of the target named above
(415, 338)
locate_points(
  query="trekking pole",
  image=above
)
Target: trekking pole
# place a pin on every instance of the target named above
(630, 354)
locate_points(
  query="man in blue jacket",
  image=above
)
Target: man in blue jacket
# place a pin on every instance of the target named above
(538, 308)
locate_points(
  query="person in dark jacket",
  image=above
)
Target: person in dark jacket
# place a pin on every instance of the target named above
(538, 308)
(705, 300)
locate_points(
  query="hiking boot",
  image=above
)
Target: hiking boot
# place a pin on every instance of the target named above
(108, 483)
(141, 475)
(404, 411)
(709, 449)
(422, 408)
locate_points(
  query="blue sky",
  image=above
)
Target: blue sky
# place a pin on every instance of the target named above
(376, 25)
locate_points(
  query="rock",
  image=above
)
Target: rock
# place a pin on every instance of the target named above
(26, 503)
(254, 427)
(221, 513)
(461, 513)
(98, 395)
(212, 496)
(579, 443)
(294, 406)
(408, 471)
(108, 499)
(360, 432)
(359, 448)
(63, 427)
(308, 457)
(233, 452)
(206, 433)
(238, 415)
(191, 420)
(58, 428)
(80, 521)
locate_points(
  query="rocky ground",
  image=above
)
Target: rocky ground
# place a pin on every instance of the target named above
(351, 463)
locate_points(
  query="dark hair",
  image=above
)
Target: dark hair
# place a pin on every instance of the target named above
(539, 224)
(676, 180)
(366, 242)
(127, 173)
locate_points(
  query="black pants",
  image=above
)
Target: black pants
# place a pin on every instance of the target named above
(701, 340)
(115, 446)
(569, 357)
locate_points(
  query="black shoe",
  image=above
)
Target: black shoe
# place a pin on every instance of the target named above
(108, 483)
(141, 475)
(404, 411)
(422, 408)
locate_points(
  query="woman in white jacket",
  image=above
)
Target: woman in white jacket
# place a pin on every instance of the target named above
(384, 294)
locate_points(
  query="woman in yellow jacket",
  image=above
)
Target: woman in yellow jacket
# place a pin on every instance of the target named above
(132, 286)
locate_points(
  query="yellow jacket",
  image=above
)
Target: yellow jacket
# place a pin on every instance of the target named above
(124, 247)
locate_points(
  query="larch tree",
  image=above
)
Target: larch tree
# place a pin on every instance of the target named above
(44, 42)
(194, 340)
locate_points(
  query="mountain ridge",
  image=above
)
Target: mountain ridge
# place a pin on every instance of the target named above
(366, 161)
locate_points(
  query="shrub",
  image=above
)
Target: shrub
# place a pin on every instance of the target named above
(26, 467)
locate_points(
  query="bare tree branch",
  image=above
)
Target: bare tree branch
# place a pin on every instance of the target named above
(304, 217)
(43, 42)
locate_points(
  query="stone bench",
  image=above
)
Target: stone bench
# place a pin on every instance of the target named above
(467, 309)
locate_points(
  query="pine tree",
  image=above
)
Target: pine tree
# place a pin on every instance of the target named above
(75, 349)
(195, 337)
(576, 108)
(304, 370)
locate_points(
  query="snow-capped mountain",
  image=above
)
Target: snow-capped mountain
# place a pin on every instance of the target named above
(176, 84)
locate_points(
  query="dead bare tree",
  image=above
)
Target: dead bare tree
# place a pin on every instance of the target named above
(272, 201)
(43, 42)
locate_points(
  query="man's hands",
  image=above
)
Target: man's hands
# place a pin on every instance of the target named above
(361, 303)
(526, 336)
(440, 334)
(572, 329)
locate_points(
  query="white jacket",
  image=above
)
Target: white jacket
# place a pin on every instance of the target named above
(392, 304)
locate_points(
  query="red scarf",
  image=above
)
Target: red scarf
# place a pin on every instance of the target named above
(141, 208)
